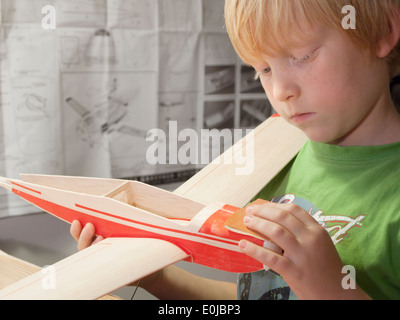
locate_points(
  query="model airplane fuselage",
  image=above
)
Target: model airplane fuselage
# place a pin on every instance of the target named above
(130, 209)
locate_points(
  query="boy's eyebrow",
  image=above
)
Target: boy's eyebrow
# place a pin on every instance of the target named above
(313, 35)
(307, 41)
(310, 40)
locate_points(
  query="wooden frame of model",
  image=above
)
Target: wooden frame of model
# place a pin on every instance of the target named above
(146, 228)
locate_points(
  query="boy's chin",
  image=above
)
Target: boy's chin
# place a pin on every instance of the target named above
(322, 138)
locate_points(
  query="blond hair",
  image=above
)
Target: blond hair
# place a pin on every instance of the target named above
(260, 27)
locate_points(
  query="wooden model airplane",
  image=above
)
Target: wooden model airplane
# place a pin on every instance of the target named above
(146, 228)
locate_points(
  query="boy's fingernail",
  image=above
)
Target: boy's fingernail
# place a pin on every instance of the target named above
(247, 219)
(250, 210)
(242, 244)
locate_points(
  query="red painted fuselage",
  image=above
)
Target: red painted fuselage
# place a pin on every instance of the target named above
(201, 234)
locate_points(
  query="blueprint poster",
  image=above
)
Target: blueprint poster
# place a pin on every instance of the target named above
(80, 98)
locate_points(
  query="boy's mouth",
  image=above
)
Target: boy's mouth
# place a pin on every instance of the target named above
(301, 117)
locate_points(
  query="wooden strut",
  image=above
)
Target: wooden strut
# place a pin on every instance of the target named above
(13, 269)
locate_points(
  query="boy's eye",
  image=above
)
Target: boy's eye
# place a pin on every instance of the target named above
(267, 70)
(305, 58)
(264, 71)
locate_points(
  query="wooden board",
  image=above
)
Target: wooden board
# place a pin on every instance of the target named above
(93, 272)
(272, 146)
(13, 269)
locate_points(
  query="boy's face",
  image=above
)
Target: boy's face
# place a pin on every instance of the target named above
(326, 86)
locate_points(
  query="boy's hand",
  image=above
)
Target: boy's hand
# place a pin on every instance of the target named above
(86, 236)
(310, 263)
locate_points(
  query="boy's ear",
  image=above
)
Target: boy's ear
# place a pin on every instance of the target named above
(386, 45)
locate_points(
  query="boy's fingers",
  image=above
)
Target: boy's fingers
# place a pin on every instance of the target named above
(278, 234)
(295, 210)
(86, 237)
(280, 216)
(268, 258)
(98, 239)
(292, 217)
(75, 229)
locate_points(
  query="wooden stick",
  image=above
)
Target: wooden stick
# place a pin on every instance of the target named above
(87, 274)
(272, 146)
(13, 269)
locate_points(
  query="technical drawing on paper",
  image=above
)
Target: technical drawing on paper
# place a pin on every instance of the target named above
(178, 67)
(35, 115)
(107, 119)
(180, 15)
(84, 49)
(132, 14)
(21, 11)
(78, 13)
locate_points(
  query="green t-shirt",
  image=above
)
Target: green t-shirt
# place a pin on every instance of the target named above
(354, 193)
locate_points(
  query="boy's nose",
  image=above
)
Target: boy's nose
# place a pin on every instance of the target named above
(285, 88)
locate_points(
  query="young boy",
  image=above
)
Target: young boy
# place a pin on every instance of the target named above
(337, 203)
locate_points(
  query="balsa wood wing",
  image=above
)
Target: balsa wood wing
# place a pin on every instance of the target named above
(242, 171)
(93, 272)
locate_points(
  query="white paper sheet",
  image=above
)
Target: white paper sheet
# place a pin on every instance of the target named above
(80, 99)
